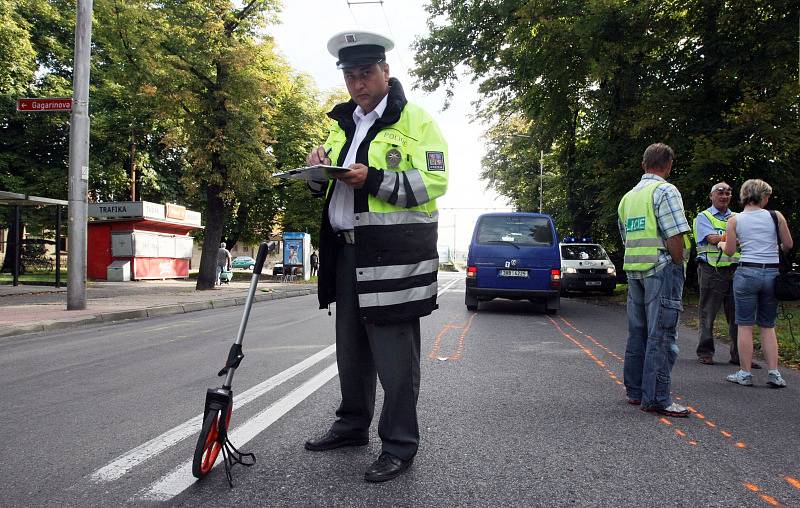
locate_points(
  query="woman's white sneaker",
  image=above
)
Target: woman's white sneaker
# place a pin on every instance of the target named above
(743, 378)
(775, 380)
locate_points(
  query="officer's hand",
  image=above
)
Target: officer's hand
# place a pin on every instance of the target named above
(317, 156)
(355, 178)
(721, 246)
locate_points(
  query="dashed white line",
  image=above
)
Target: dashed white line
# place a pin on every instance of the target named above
(124, 463)
(181, 477)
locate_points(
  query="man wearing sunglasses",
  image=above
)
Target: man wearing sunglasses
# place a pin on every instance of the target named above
(715, 274)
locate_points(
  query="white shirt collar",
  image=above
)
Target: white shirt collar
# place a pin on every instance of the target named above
(358, 113)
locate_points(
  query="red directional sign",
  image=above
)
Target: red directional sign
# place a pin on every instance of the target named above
(48, 104)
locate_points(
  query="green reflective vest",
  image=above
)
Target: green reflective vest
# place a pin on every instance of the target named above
(642, 242)
(713, 252)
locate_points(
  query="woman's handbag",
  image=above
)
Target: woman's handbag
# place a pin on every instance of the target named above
(787, 283)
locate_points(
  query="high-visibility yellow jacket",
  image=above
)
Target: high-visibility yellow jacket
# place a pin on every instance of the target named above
(714, 256)
(396, 218)
(642, 241)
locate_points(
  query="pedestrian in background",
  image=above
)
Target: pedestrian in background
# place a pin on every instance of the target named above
(223, 261)
(378, 256)
(757, 232)
(653, 226)
(314, 263)
(715, 274)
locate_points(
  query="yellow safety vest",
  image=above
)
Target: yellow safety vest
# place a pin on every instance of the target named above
(642, 242)
(712, 252)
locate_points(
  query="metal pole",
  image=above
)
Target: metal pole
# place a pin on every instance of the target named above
(454, 237)
(541, 179)
(79, 160)
(17, 245)
(58, 246)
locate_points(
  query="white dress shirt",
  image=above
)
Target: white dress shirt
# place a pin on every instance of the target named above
(340, 210)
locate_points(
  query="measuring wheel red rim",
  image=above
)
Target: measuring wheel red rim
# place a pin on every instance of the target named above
(208, 446)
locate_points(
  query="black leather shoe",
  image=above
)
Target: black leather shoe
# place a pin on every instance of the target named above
(387, 467)
(333, 440)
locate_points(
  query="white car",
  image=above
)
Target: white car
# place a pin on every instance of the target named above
(586, 267)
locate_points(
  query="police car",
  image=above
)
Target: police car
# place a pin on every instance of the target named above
(585, 266)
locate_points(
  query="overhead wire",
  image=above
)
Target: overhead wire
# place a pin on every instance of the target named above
(399, 50)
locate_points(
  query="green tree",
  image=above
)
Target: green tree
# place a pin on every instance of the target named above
(593, 82)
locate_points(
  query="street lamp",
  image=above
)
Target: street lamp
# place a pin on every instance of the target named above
(541, 169)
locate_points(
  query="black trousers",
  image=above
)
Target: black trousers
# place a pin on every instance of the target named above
(716, 290)
(365, 351)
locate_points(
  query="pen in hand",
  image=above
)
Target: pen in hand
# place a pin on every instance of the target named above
(327, 152)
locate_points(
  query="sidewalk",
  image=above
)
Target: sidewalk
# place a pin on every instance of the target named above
(26, 308)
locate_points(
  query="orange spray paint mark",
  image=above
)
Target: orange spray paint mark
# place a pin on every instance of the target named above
(665, 421)
(618, 382)
(725, 433)
(690, 408)
(769, 500)
(750, 486)
(693, 443)
(794, 482)
(739, 445)
(698, 415)
(711, 424)
(680, 432)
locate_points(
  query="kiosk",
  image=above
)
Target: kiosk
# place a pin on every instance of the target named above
(135, 240)
(297, 255)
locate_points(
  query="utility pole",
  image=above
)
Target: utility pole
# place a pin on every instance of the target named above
(79, 159)
(541, 179)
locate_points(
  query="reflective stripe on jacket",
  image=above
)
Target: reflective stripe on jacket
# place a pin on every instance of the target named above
(395, 214)
(713, 252)
(642, 243)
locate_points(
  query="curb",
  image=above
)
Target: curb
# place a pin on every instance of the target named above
(149, 312)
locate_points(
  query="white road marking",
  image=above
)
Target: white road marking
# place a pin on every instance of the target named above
(124, 463)
(181, 477)
(448, 286)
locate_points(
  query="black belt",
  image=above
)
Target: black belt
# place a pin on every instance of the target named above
(703, 262)
(759, 265)
(346, 237)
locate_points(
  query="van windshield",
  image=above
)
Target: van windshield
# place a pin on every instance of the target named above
(581, 252)
(531, 231)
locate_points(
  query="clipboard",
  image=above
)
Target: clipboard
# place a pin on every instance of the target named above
(309, 173)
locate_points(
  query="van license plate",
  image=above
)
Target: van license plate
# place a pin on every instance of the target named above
(593, 282)
(513, 273)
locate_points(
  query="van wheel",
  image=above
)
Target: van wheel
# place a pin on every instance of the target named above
(471, 302)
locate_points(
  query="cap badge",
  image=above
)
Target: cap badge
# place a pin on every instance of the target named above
(350, 38)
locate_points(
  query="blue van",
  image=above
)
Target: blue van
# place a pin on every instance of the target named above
(515, 256)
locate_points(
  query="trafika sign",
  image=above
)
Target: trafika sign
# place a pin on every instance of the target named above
(50, 104)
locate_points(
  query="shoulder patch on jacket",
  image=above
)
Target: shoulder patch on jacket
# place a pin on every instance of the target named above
(435, 161)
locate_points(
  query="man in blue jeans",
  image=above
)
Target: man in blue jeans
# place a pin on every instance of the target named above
(653, 226)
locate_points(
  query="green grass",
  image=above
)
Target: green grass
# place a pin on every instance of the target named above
(34, 277)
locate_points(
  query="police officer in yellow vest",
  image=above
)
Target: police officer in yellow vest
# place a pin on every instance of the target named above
(378, 256)
(654, 231)
(715, 273)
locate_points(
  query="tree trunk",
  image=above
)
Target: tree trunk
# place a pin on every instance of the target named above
(130, 167)
(215, 221)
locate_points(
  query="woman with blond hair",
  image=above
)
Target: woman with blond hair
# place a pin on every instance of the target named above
(754, 281)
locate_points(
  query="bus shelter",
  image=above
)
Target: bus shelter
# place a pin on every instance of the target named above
(19, 201)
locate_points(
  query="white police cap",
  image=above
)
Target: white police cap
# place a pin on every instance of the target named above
(359, 47)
